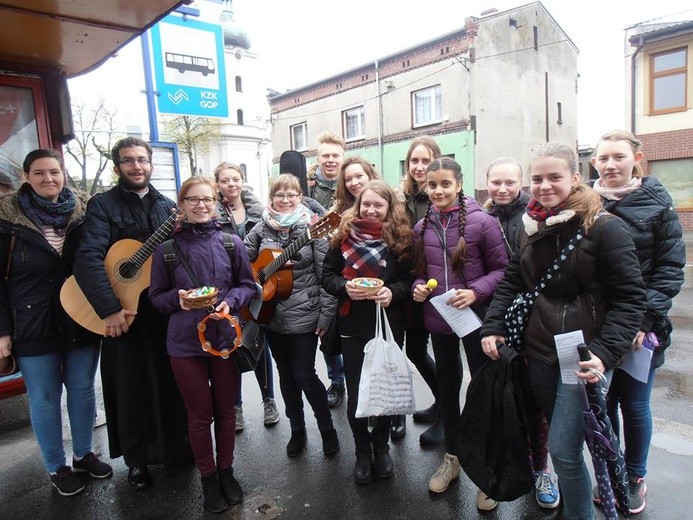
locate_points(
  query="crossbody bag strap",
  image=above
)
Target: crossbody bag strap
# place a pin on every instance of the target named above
(555, 266)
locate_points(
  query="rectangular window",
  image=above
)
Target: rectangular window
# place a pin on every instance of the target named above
(668, 83)
(299, 136)
(354, 123)
(675, 175)
(427, 106)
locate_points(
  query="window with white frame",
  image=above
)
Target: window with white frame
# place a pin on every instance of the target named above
(427, 106)
(299, 136)
(668, 85)
(354, 123)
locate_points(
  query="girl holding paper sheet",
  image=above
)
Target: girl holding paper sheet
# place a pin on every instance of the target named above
(598, 290)
(374, 240)
(461, 247)
(648, 211)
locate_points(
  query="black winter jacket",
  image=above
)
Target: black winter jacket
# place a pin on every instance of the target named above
(360, 321)
(654, 225)
(30, 309)
(598, 289)
(509, 216)
(112, 216)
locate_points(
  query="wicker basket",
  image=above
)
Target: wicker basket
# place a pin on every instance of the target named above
(370, 285)
(200, 301)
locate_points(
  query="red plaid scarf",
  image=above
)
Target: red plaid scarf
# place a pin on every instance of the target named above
(363, 250)
(539, 213)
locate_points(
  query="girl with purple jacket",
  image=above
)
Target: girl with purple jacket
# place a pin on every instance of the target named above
(207, 383)
(462, 248)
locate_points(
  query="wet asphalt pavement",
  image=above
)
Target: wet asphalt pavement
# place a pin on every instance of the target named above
(312, 486)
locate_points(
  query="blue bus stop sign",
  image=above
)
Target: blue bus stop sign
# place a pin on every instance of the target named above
(189, 67)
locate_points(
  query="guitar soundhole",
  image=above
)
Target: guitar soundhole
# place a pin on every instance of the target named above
(128, 271)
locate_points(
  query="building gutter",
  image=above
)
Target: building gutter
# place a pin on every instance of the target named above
(633, 57)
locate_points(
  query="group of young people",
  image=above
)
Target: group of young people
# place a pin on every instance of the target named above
(615, 287)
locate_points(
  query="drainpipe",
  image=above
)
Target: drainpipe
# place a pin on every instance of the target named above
(632, 84)
(380, 119)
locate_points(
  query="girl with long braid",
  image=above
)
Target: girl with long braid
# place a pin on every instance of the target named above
(462, 248)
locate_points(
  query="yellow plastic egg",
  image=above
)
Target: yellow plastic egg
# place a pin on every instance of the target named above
(432, 283)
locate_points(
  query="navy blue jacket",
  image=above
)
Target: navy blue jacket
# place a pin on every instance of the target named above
(654, 225)
(30, 309)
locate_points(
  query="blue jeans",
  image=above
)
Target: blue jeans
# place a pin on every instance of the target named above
(264, 375)
(633, 396)
(44, 376)
(563, 406)
(335, 368)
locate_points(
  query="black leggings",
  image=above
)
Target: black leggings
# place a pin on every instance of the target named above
(417, 349)
(446, 348)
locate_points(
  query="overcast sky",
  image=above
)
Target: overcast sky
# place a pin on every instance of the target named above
(301, 41)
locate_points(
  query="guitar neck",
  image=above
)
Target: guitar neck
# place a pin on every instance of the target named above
(140, 256)
(284, 257)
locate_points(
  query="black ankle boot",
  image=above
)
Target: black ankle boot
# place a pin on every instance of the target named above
(399, 426)
(330, 442)
(435, 435)
(363, 473)
(383, 464)
(427, 415)
(214, 500)
(230, 487)
(297, 443)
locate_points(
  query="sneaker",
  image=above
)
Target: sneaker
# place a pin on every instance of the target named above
(270, 411)
(240, 422)
(484, 502)
(91, 464)
(335, 393)
(636, 494)
(546, 489)
(66, 482)
(448, 471)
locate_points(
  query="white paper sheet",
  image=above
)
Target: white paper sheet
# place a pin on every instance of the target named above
(462, 321)
(637, 363)
(568, 357)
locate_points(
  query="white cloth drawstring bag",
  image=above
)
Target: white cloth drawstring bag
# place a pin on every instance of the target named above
(386, 382)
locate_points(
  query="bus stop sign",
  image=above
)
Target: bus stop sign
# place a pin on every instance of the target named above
(188, 57)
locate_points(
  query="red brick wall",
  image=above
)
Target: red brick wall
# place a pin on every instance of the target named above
(677, 144)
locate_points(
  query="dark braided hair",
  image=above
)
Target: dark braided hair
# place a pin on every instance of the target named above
(459, 253)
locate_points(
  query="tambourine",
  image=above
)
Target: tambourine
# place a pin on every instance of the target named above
(207, 346)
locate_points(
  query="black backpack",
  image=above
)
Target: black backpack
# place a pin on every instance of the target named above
(492, 438)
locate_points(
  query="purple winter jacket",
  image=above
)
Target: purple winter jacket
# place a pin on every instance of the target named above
(203, 247)
(486, 258)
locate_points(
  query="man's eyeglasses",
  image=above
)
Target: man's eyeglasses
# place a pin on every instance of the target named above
(131, 160)
(194, 201)
(288, 196)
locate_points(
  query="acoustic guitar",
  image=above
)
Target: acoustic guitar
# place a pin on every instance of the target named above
(272, 273)
(128, 265)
